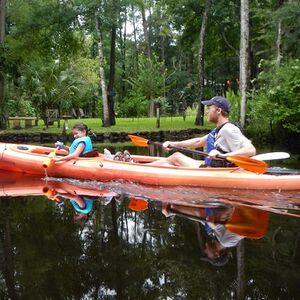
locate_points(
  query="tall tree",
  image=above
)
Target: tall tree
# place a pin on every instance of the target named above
(2, 80)
(106, 122)
(200, 112)
(279, 35)
(112, 66)
(244, 59)
(145, 29)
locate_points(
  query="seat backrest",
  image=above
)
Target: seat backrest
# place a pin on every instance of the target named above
(52, 114)
(92, 153)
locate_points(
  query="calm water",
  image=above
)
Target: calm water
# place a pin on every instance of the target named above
(143, 242)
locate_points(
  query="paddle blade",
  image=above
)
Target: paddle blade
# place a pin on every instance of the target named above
(139, 141)
(271, 156)
(249, 164)
(137, 204)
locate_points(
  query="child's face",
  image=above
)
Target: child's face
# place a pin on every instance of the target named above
(78, 133)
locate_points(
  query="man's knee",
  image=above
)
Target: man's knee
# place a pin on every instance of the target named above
(176, 156)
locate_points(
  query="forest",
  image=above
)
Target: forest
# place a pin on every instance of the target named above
(125, 58)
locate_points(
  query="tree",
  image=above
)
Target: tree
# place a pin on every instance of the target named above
(106, 122)
(2, 77)
(244, 59)
(150, 80)
(200, 112)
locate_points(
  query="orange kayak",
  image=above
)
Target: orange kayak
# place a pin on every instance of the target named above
(30, 159)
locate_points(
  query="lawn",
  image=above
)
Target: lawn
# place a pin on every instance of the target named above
(122, 125)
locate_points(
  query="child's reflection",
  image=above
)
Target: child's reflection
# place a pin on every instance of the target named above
(82, 204)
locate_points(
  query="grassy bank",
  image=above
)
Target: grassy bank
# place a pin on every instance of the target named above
(122, 125)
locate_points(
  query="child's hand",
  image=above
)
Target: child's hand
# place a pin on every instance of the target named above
(59, 144)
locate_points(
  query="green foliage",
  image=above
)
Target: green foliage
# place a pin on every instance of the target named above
(266, 17)
(20, 108)
(235, 105)
(136, 105)
(182, 92)
(150, 79)
(277, 100)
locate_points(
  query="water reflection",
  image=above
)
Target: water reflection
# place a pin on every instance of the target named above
(143, 242)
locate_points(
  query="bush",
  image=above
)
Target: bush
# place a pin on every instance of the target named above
(136, 105)
(276, 104)
(20, 108)
(235, 105)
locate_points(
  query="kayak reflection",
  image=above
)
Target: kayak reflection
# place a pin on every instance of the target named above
(223, 220)
(223, 225)
(18, 184)
(80, 198)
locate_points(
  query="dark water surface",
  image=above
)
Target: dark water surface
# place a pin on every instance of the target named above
(144, 242)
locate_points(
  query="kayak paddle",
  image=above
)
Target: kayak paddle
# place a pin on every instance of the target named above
(246, 163)
(271, 156)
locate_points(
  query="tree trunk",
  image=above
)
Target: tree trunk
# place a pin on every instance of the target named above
(241, 283)
(123, 56)
(279, 36)
(8, 265)
(2, 78)
(136, 56)
(200, 111)
(146, 32)
(112, 71)
(102, 76)
(244, 59)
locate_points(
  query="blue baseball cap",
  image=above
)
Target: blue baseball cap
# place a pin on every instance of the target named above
(218, 101)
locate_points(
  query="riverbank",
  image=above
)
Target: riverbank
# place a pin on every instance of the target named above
(102, 137)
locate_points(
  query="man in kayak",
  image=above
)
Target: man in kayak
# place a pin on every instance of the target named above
(82, 143)
(226, 140)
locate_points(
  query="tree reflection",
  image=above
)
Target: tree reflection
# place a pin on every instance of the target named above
(120, 253)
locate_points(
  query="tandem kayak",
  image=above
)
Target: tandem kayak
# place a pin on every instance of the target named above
(30, 159)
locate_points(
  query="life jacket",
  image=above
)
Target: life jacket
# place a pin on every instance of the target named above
(88, 146)
(88, 205)
(210, 145)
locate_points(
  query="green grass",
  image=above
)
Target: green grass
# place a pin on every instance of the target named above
(122, 125)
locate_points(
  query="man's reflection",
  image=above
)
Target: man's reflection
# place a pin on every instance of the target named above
(223, 225)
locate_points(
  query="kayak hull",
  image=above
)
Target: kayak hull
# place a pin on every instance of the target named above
(29, 159)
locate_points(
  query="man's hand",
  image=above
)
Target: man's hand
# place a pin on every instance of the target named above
(166, 145)
(213, 154)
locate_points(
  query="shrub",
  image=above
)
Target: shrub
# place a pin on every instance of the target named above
(276, 103)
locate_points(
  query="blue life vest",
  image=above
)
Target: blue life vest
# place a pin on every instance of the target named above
(88, 205)
(210, 145)
(88, 146)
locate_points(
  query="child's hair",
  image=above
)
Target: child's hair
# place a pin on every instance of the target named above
(83, 127)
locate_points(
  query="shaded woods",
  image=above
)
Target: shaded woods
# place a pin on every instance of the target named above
(128, 58)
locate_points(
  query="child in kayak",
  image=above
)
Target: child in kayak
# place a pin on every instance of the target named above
(82, 143)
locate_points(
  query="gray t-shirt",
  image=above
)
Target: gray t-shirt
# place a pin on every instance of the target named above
(230, 138)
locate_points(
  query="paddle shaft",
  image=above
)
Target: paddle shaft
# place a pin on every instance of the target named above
(191, 151)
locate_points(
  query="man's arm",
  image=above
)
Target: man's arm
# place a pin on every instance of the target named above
(190, 143)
